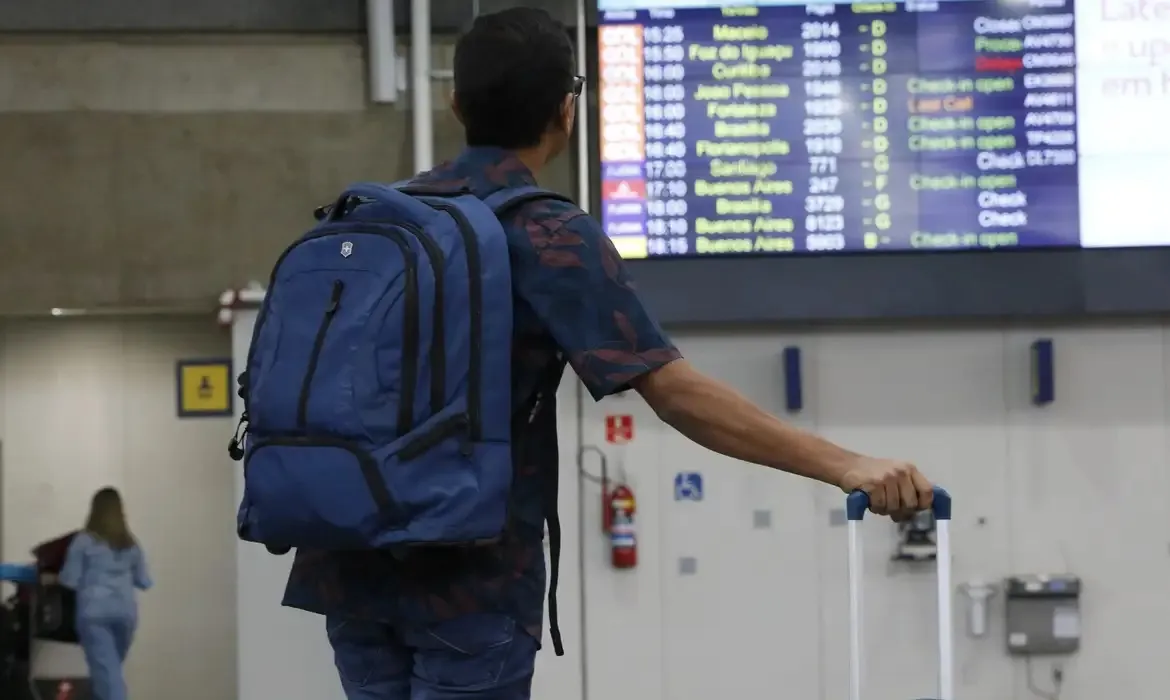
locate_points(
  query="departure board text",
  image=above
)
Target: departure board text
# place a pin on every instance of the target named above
(830, 128)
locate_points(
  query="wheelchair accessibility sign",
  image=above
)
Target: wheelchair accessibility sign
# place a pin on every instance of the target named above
(688, 486)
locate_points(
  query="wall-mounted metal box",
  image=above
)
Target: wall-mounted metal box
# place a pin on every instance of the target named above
(1043, 614)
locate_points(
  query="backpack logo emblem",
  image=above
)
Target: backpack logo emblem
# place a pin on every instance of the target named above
(346, 249)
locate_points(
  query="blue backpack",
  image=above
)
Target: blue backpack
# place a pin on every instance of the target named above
(378, 386)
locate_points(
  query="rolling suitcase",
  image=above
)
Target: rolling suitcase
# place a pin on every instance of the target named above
(856, 504)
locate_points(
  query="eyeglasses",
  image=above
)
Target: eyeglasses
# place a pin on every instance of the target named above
(578, 85)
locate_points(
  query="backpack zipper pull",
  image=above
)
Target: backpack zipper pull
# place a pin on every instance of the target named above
(535, 408)
(236, 444)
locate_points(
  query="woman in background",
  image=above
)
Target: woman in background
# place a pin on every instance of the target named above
(104, 565)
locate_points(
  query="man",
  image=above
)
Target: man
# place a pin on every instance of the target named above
(468, 623)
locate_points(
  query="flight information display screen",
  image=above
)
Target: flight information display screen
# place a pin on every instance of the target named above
(781, 128)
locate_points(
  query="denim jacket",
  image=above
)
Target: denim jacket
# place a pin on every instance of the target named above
(104, 578)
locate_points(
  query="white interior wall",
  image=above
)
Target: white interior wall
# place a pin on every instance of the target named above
(90, 402)
(1076, 486)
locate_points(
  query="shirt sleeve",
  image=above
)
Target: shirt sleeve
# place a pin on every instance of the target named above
(568, 271)
(70, 575)
(142, 579)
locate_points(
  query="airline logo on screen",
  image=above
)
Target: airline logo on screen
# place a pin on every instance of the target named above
(623, 138)
(624, 189)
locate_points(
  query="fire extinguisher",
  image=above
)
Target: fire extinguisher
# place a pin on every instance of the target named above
(623, 538)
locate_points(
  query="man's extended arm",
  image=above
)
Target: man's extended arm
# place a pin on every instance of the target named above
(717, 417)
(572, 277)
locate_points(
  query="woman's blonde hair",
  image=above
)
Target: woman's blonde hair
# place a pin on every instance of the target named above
(107, 519)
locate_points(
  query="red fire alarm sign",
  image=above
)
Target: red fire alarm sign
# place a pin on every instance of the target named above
(619, 429)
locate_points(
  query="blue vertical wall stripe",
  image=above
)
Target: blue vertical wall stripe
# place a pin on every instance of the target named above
(793, 389)
(1043, 372)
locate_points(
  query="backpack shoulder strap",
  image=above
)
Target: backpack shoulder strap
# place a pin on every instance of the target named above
(505, 200)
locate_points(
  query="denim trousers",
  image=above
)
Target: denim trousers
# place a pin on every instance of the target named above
(483, 655)
(106, 642)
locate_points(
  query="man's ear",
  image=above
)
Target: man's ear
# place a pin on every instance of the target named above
(569, 113)
(455, 107)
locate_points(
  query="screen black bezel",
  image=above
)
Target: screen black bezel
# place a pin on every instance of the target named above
(1029, 283)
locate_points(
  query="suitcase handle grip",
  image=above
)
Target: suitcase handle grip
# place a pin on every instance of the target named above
(857, 503)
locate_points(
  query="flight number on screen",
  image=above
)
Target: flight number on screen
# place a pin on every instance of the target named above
(819, 165)
(820, 69)
(829, 107)
(815, 223)
(823, 184)
(818, 145)
(826, 126)
(824, 204)
(824, 241)
(822, 88)
(819, 30)
(822, 49)
(1051, 156)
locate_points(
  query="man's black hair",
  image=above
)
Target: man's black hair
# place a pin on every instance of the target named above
(513, 70)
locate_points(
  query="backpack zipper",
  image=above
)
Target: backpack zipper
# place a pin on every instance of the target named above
(410, 340)
(454, 426)
(315, 353)
(369, 467)
(438, 323)
(475, 301)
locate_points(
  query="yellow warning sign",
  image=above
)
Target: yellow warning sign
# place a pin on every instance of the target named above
(204, 388)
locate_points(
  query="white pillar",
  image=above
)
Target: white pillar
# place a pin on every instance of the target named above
(420, 85)
(584, 155)
(382, 51)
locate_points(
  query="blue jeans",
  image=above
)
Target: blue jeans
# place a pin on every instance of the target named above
(106, 642)
(483, 656)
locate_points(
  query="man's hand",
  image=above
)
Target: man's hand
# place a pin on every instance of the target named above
(896, 489)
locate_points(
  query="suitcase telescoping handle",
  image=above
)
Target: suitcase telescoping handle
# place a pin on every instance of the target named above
(856, 504)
